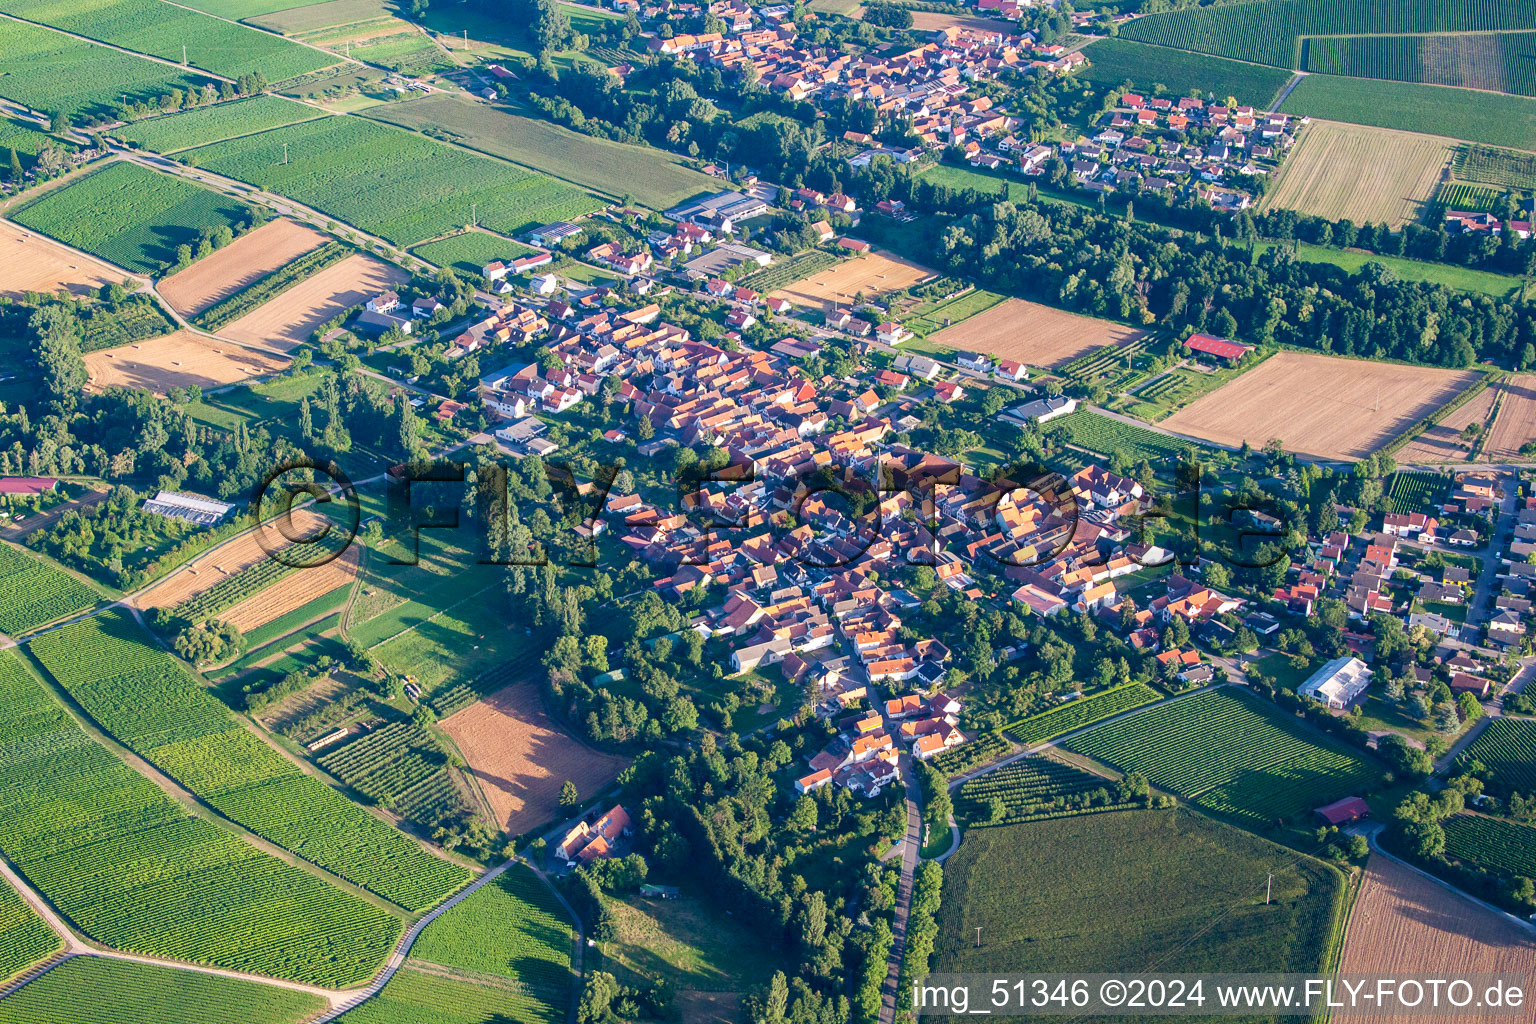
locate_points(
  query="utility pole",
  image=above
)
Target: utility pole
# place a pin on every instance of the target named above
(474, 218)
(978, 936)
(285, 154)
(1268, 886)
(183, 54)
(466, 39)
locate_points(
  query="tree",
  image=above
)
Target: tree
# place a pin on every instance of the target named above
(597, 998)
(16, 172)
(569, 798)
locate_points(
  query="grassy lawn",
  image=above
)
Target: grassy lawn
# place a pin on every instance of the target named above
(1278, 667)
(689, 941)
(1462, 278)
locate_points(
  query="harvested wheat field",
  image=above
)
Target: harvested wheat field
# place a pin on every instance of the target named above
(1034, 334)
(238, 265)
(521, 758)
(1442, 442)
(290, 318)
(1516, 422)
(293, 591)
(1364, 174)
(868, 275)
(176, 361)
(31, 263)
(1320, 405)
(1403, 924)
(234, 556)
(933, 21)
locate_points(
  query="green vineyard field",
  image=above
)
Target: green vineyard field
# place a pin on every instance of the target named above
(33, 592)
(1114, 61)
(1498, 61)
(1086, 711)
(1031, 789)
(25, 938)
(1416, 492)
(1508, 746)
(168, 133)
(1503, 846)
(1499, 167)
(1103, 435)
(51, 71)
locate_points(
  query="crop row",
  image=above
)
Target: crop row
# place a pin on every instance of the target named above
(130, 868)
(1034, 787)
(454, 700)
(394, 183)
(1475, 198)
(401, 767)
(203, 125)
(1508, 746)
(1103, 435)
(1501, 167)
(1495, 843)
(1415, 492)
(166, 717)
(33, 592)
(1085, 711)
(233, 589)
(793, 269)
(25, 938)
(1497, 61)
(415, 997)
(246, 299)
(1240, 751)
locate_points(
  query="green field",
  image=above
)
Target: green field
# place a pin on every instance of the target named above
(511, 928)
(414, 997)
(1499, 167)
(1416, 492)
(393, 183)
(964, 177)
(25, 938)
(1503, 846)
(469, 251)
(244, 10)
(1234, 753)
(34, 591)
(1103, 435)
(132, 870)
(1432, 109)
(1465, 279)
(144, 699)
(1132, 891)
(649, 176)
(929, 318)
(1115, 61)
(1031, 789)
(25, 137)
(161, 30)
(1508, 746)
(50, 71)
(168, 133)
(1271, 33)
(1477, 198)
(1497, 61)
(1086, 711)
(308, 19)
(130, 215)
(95, 990)
(399, 766)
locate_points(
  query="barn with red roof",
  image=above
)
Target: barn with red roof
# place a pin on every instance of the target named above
(1221, 348)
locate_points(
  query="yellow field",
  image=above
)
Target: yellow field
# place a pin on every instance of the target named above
(238, 265)
(31, 263)
(289, 319)
(868, 275)
(176, 361)
(1364, 174)
(1320, 405)
(1033, 334)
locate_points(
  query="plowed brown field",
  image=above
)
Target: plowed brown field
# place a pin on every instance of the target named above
(521, 758)
(241, 553)
(1405, 925)
(31, 263)
(1034, 334)
(1517, 419)
(176, 361)
(239, 264)
(1320, 405)
(1443, 443)
(289, 319)
(868, 275)
(294, 590)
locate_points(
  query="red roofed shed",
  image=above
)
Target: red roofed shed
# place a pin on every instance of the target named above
(27, 484)
(1231, 351)
(1342, 812)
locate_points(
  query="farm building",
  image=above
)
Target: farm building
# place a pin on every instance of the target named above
(1042, 410)
(1221, 348)
(193, 508)
(1339, 683)
(1342, 812)
(587, 843)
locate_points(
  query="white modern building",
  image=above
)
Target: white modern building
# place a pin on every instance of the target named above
(1339, 683)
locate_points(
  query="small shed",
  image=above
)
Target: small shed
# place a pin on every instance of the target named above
(1342, 812)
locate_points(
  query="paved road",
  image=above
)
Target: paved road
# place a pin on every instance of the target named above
(911, 845)
(1487, 585)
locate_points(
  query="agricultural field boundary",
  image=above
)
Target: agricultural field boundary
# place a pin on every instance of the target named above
(113, 46)
(338, 58)
(1466, 395)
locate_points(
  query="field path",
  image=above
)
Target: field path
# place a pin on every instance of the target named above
(1286, 90)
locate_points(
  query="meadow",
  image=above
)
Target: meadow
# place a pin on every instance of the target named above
(1508, 747)
(130, 215)
(1350, 260)
(648, 176)
(1081, 712)
(1115, 61)
(1234, 753)
(34, 591)
(1497, 61)
(161, 30)
(1435, 110)
(1103, 435)
(51, 71)
(149, 703)
(393, 183)
(1148, 891)
(131, 869)
(1503, 846)
(95, 990)
(171, 132)
(469, 251)
(1271, 33)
